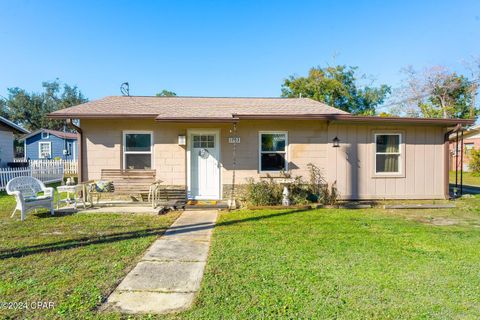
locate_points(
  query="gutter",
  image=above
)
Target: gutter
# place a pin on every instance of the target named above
(55, 115)
(355, 118)
(79, 146)
(235, 117)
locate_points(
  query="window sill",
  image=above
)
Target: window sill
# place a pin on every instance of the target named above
(388, 175)
(273, 174)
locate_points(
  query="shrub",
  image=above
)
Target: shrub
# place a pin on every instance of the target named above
(263, 193)
(299, 191)
(474, 163)
(319, 188)
(317, 181)
(329, 196)
(270, 193)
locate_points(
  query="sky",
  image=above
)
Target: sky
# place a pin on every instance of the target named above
(225, 48)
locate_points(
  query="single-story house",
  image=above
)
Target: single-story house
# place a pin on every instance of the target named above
(471, 140)
(8, 130)
(50, 144)
(190, 142)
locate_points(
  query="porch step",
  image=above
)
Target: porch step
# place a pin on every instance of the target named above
(202, 205)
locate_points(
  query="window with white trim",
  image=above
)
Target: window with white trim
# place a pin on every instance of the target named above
(388, 153)
(273, 151)
(44, 150)
(45, 135)
(137, 150)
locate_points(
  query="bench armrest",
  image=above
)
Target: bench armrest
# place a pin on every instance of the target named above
(18, 195)
(48, 191)
(86, 182)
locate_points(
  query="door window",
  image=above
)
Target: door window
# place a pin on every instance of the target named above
(204, 141)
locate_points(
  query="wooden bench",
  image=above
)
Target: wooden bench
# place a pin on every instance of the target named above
(131, 182)
(170, 198)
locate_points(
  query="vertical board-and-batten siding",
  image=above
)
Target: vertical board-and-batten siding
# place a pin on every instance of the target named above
(352, 164)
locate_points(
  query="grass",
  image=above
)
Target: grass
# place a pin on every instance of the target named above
(73, 261)
(325, 263)
(468, 178)
(344, 264)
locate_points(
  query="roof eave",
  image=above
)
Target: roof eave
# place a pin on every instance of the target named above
(100, 116)
(356, 118)
(14, 126)
(236, 117)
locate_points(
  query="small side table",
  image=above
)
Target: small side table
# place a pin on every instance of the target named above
(70, 190)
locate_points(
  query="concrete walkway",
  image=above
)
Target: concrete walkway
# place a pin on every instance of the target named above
(169, 274)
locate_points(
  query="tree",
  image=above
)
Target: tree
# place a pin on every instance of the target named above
(338, 87)
(437, 93)
(166, 93)
(31, 109)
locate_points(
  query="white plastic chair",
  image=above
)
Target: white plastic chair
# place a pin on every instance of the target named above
(26, 190)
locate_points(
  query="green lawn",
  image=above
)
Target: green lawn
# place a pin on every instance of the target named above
(468, 178)
(326, 263)
(73, 261)
(344, 264)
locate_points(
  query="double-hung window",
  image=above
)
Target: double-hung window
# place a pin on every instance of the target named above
(137, 150)
(44, 150)
(273, 151)
(388, 153)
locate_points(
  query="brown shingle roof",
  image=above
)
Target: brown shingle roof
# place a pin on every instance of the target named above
(63, 135)
(164, 108)
(60, 134)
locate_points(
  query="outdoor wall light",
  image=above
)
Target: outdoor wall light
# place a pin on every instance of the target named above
(182, 140)
(336, 142)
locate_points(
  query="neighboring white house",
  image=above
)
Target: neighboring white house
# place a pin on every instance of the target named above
(7, 131)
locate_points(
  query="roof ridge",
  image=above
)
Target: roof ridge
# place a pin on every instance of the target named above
(212, 97)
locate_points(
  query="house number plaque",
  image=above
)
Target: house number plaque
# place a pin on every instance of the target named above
(233, 139)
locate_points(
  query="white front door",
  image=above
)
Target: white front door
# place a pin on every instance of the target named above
(204, 176)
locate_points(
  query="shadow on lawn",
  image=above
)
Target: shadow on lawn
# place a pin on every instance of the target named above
(86, 241)
(79, 242)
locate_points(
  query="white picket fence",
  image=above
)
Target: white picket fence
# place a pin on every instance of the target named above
(69, 166)
(45, 174)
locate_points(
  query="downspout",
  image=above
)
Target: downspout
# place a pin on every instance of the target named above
(456, 166)
(79, 146)
(461, 168)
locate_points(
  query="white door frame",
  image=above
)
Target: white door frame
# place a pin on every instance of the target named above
(189, 158)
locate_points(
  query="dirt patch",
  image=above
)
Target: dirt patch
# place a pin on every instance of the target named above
(444, 222)
(55, 233)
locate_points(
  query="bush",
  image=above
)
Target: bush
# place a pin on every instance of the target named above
(299, 191)
(474, 163)
(263, 193)
(270, 193)
(319, 189)
(329, 196)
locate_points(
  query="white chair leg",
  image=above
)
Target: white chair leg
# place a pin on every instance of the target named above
(13, 213)
(22, 215)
